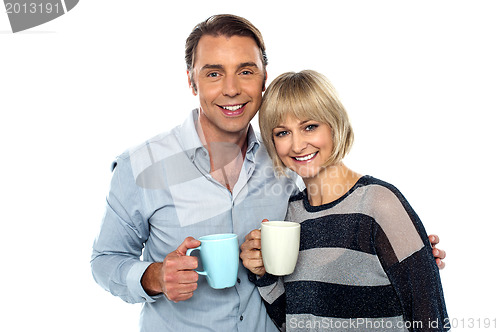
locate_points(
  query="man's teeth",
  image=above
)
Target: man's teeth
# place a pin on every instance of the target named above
(232, 108)
(309, 156)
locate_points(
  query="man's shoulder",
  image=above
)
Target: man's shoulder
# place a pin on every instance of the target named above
(140, 151)
(163, 140)
(170, 139)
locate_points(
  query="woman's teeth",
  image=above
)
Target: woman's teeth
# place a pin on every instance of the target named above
(309, 156)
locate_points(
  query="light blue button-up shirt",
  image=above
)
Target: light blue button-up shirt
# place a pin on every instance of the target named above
(162, 192)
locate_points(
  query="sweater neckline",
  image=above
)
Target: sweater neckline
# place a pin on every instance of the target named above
(310, 208)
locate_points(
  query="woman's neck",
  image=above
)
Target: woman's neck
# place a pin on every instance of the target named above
(330, 184)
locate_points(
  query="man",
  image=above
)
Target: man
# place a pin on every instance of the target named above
(209, 175)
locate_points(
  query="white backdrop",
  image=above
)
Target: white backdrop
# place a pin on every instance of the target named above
(420, 80)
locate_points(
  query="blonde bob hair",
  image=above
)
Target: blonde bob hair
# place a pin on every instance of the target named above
(306, 95)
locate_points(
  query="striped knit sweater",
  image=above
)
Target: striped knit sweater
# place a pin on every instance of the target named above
(365, 264)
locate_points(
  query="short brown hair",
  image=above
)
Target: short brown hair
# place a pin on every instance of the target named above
(222, 25)
(306, 95)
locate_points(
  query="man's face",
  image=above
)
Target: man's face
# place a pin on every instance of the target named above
(229, 76)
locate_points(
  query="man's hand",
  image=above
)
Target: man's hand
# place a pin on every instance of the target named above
(251, 255)
(439, 254)
(175, 276)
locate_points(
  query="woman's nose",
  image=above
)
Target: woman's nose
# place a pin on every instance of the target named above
(298, 143)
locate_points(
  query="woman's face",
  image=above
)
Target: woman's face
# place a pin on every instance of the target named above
(303, 145)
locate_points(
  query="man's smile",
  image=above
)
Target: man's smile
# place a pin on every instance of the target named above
(232, 110)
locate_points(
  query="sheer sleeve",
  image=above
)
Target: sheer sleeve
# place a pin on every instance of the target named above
(405, 253)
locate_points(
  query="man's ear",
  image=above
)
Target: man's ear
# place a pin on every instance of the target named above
(192, 85)
(264, 83)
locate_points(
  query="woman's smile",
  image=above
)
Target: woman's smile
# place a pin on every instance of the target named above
(306, 158)
(304, 146)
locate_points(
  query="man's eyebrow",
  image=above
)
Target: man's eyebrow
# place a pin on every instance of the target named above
(247, 64)
(210, 67)
(221, 67)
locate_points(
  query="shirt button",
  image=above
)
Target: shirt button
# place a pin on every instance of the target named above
(238, 280)
(241, 318)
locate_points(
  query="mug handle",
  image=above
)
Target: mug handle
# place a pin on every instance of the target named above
(188, 253)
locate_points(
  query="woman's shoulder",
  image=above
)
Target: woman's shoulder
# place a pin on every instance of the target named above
(378, 185)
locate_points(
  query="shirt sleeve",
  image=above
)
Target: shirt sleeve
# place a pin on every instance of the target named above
(405, 253)
(116, 264)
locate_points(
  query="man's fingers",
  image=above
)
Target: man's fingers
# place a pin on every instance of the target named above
(441, 264)
(188, 243)
(438, 253)
(179, 280)
(434, 239)
(187, 281)
(181, 297)
(180, 263)
(181, 277)
(182, 292)
(180, 286)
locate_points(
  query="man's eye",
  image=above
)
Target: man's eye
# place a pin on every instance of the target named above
(246, 72)
(213, 74)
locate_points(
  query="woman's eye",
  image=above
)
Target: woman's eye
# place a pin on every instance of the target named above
(311, 127)
(280, 133)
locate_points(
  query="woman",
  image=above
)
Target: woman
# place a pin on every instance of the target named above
(365, 263)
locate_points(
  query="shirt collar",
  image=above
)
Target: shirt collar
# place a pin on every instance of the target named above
(253, 144)
(188, 137)
(191, 142)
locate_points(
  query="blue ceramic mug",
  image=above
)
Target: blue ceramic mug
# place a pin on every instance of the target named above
(220, 258)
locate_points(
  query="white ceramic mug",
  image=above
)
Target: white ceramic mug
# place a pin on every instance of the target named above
(280, 241)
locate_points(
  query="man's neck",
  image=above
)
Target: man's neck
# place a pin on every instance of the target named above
(210, 135)
(226, 150)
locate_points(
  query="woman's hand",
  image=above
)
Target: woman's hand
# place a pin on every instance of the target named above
(251, 255)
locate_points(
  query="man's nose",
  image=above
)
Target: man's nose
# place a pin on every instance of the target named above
(231, 86)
